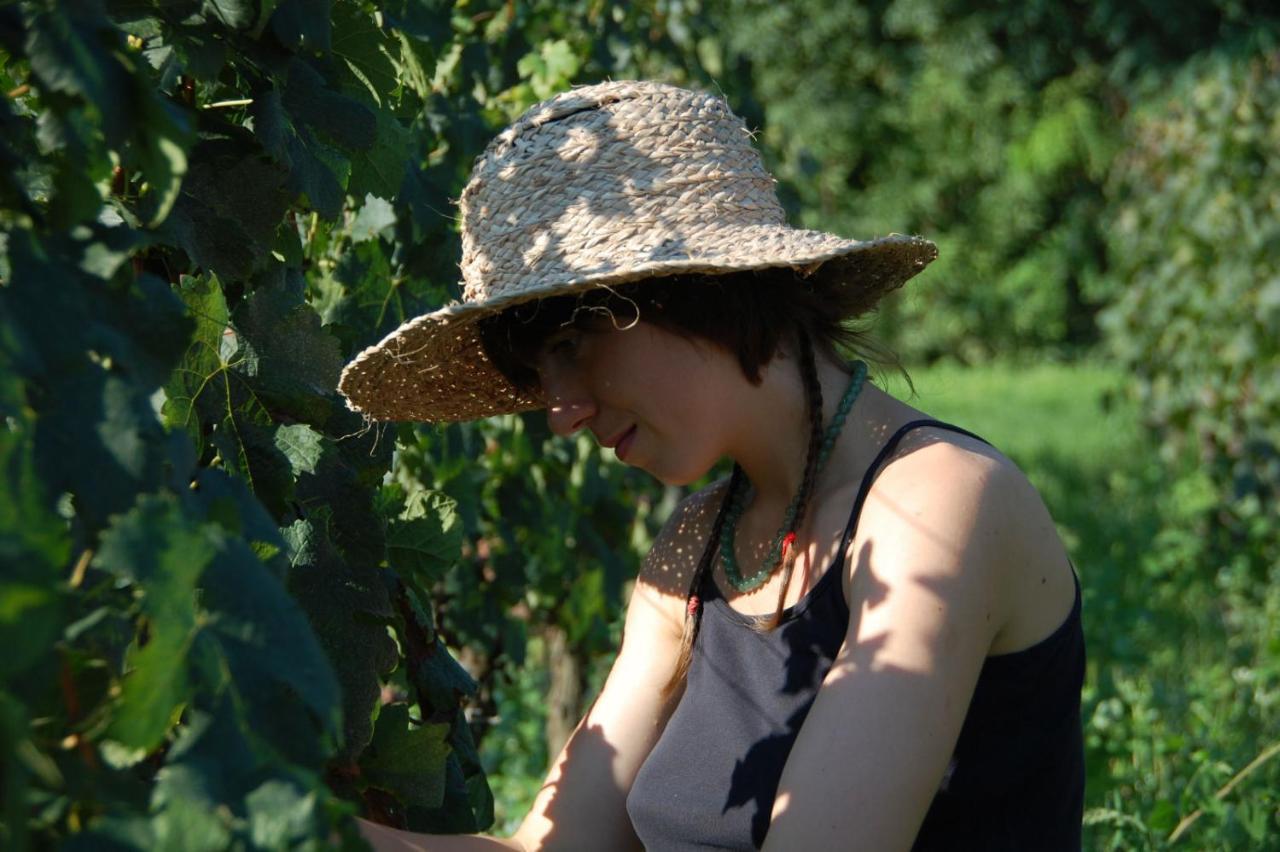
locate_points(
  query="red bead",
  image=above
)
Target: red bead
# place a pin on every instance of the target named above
(694, 603)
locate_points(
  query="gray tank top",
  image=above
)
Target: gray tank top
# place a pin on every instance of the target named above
(1016, 780)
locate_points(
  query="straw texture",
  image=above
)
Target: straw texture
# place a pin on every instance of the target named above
(595, 187)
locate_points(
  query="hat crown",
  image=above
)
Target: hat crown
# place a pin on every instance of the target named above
(605, 178)
(602, 186)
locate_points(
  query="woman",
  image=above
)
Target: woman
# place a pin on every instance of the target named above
(869, 635)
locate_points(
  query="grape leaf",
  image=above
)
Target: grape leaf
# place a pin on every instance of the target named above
(140, 326)
(243, 435)
(159, 153)
(379, 169)
(72, 55)
(143, 328)
(192, 826)
(467, 806)
(280, 815)
(231, 204)
(348, 608)
(99, 439)
(202, 363)
(208, 771)
(311, 103)
(237, 14)
(301, 445)
(114, 834)
(302, 25)
(316, 172)
(155, 689)
(361, 300)
(425, 19)
(16, 149)
(261, 636)
(441, 681)
(31, 618)
(158, 549)
(407, 759)
(215, 403)
(364, 50)
(33, 541)
(292, 362)
(202, 53)
(375, 219)
(248, 634)
(424, 538)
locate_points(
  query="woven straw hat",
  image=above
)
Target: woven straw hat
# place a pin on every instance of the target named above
(599, 186)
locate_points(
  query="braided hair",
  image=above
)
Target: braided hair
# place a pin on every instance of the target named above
(787, 558)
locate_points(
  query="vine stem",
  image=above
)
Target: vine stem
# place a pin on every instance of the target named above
(72, 701)
(1190, 819)
(224, 104)
(82, 565)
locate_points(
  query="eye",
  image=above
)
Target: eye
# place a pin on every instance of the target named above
(559, 351)
(564, 345)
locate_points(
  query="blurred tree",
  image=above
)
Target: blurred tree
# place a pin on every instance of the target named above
(989, 127)
(1194, 238)
(1195, 242)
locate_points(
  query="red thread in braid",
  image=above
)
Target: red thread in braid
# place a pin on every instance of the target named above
(787, 542)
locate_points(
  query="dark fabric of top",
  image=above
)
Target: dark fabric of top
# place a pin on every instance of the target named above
(1016, 780)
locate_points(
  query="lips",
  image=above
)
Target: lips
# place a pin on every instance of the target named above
(623, 445)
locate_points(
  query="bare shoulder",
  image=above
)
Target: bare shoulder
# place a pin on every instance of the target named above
(963, 486)
(668, 567)
(941, 481)
(955, 507)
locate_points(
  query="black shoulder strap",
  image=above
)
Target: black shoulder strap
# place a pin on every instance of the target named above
(885, 453)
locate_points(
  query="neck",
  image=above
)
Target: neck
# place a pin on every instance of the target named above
(772, 442)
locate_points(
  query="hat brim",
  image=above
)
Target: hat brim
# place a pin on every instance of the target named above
(434, 369)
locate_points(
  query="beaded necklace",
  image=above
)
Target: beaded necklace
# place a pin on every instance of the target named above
(785, 537)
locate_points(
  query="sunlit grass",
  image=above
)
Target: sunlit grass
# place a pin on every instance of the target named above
(1070, 411)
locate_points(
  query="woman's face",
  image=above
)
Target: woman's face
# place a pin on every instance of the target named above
(651, 395)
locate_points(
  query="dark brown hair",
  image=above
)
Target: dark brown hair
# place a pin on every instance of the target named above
(749, 314)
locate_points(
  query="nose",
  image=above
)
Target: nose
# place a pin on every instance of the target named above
(569, 405)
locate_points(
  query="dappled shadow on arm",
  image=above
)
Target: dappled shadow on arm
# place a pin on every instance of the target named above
(808, 656)
(581, 806)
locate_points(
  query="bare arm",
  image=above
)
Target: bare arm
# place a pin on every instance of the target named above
(929, 593)
(582, 803)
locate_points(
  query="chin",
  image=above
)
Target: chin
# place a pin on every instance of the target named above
(680, 478)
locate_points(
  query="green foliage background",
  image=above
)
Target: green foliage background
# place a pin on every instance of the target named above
(234, 613)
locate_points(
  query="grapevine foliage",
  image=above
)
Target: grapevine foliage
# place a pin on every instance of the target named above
(218, 608)
(990, 128)
(1199, 322)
